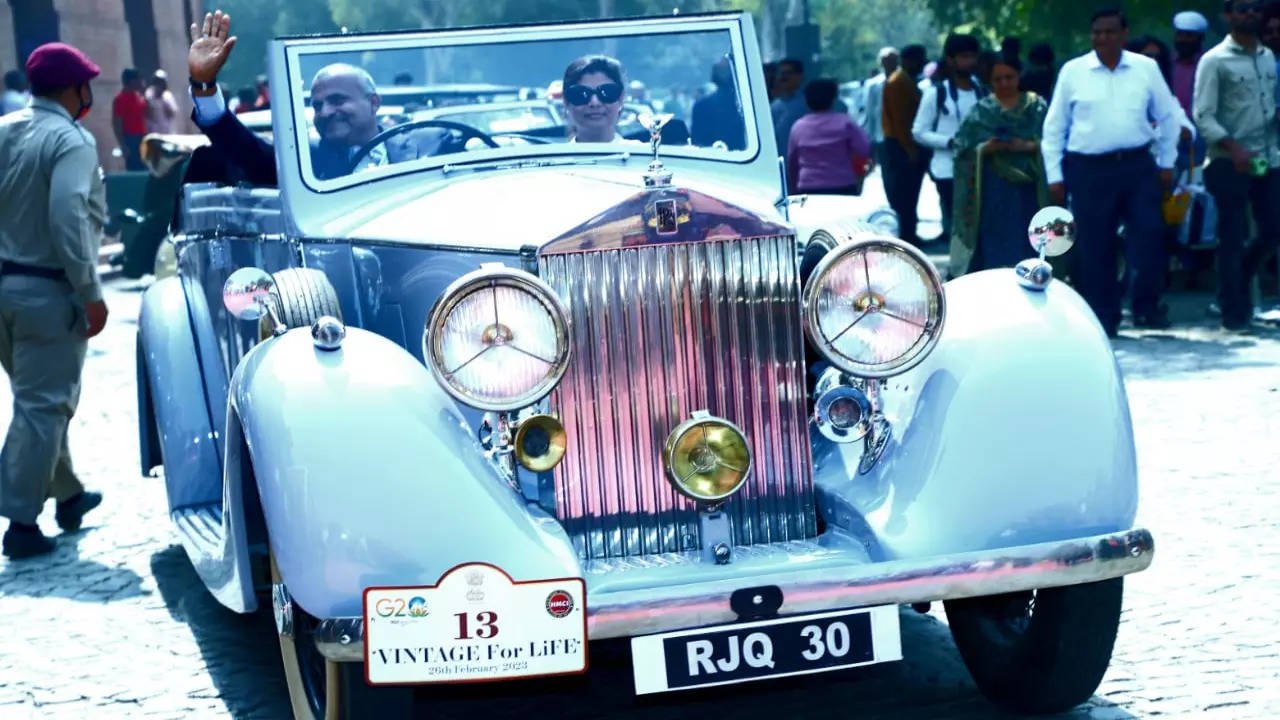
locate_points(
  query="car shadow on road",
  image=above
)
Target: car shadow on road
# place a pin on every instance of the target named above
(930, 682)
(239, 651)
(65, 574)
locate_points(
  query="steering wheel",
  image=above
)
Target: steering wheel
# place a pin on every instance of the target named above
(466, 130)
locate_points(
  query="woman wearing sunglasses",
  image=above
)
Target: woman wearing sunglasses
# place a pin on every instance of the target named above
(593, 90)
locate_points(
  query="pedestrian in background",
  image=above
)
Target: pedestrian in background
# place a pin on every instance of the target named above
(162, 107)
(904, 160)
(873, 102)
(1040, 74)
(943, 107)
(1189, 28)
(999, 174)
(789, 106)
(1270, 35)
(16, 96)
(52, 208)
(1235, 109)
(717, 117)
(129, 118)
(1109, 106)
(771, 79)
(827, 151)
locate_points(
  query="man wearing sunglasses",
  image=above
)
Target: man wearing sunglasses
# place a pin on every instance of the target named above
(345, 101)
(1235, 109)
(593, 87)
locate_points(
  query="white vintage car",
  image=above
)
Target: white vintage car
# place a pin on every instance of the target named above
(505, 399)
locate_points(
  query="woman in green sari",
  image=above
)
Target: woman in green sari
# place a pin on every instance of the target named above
(999, 174)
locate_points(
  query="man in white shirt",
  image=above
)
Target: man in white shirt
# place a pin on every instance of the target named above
(16, 96)
(873, 91)
(1097, 145)
(942, 109)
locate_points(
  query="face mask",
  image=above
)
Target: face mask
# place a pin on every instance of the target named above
(85, 105)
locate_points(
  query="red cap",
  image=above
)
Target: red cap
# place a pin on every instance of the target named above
(57, 64)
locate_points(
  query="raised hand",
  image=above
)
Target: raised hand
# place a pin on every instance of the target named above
(211, 43)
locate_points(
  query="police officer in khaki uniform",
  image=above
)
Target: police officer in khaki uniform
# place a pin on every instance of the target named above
(52, 208)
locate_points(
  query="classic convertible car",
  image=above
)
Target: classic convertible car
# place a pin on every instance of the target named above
(460, 417)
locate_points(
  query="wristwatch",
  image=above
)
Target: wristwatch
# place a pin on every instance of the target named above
(203, 86)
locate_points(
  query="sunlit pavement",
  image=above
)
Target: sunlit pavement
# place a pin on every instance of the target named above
(115, 623)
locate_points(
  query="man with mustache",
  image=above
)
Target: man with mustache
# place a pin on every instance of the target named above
(345, 100)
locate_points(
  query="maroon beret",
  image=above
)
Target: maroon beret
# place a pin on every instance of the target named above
(56, 64)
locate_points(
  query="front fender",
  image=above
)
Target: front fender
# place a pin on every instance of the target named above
(1015, 431)
(369, 475)
(170, 384)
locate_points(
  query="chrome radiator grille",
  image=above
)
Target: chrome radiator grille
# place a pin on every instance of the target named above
(659, 332)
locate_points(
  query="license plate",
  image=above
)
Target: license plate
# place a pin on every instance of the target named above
(474, 624)
(765, 649)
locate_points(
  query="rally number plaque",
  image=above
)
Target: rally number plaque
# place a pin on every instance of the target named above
(475, 624)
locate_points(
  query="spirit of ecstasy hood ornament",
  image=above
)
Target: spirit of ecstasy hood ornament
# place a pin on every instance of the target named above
(656, 175)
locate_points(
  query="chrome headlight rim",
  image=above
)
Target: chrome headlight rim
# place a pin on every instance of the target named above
(917, 352)
(492, 277)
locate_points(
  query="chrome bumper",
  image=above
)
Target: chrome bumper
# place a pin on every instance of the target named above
(987, 572)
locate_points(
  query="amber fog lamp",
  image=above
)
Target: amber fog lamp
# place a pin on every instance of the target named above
(540, 442)
(707, 458)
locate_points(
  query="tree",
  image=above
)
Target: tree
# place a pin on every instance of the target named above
(1063, 24)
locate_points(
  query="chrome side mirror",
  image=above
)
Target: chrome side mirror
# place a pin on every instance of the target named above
(247, 295)
(1052, 232)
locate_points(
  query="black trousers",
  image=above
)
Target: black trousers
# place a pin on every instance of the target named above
(1107, 190)
(1237, 264)
(946, 189)
(902, 179)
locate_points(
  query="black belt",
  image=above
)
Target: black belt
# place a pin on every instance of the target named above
(8, 267)
(1115, 156)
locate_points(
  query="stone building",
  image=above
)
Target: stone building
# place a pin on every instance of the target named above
(116, 34)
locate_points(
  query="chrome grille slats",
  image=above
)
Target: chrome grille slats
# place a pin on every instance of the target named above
(658, 332)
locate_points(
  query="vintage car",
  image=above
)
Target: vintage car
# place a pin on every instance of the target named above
(458, 418)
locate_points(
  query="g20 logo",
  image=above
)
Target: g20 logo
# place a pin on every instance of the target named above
(415, 606)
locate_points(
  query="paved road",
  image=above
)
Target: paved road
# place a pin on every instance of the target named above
(115, 624)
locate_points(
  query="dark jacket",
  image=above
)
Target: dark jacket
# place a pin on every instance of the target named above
(255, 158)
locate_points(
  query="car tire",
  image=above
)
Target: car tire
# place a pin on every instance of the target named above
(301, 296)
(1039, 651)
(321, 689)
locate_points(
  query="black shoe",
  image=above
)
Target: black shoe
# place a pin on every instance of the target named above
(21, 541)
(72, 510)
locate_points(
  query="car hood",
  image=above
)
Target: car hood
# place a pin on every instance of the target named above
(505, 212)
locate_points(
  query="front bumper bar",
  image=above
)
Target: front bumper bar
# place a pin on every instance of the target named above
(898, 582)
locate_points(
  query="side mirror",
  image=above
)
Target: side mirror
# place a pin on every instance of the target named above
(246, 294)
(1052, 231)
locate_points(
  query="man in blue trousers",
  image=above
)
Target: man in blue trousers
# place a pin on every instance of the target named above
(1100, 145)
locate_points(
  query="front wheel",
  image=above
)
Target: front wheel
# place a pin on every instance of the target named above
(1038, 651)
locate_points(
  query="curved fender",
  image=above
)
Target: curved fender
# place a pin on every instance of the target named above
(1016, 430)
(167, 353)
(369, 475)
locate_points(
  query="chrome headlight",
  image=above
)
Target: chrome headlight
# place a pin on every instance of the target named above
(497, 339)
(886, 221)
(874, 308)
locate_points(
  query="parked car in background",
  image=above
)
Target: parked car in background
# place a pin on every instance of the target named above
(458, 417)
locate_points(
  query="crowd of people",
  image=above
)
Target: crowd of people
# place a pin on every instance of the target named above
(1154, 149)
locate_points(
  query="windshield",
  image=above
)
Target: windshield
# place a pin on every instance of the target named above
(460, 100)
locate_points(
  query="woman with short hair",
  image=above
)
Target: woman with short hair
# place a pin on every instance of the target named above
(593, 93)
(827, 153)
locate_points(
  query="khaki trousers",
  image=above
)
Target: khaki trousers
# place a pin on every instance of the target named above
(42, 350)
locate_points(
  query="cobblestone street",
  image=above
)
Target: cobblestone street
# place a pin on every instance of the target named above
(116, 624)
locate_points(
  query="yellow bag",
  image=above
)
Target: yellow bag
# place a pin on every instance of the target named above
(1177, 201)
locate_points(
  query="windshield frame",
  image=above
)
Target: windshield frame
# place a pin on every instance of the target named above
(296, 48)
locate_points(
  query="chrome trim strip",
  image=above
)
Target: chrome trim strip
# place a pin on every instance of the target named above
(901, 582)
(658, 333)
(988, 572)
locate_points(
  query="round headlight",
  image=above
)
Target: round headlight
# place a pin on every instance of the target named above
(497, 339)
(707, 458)
(874, 308)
